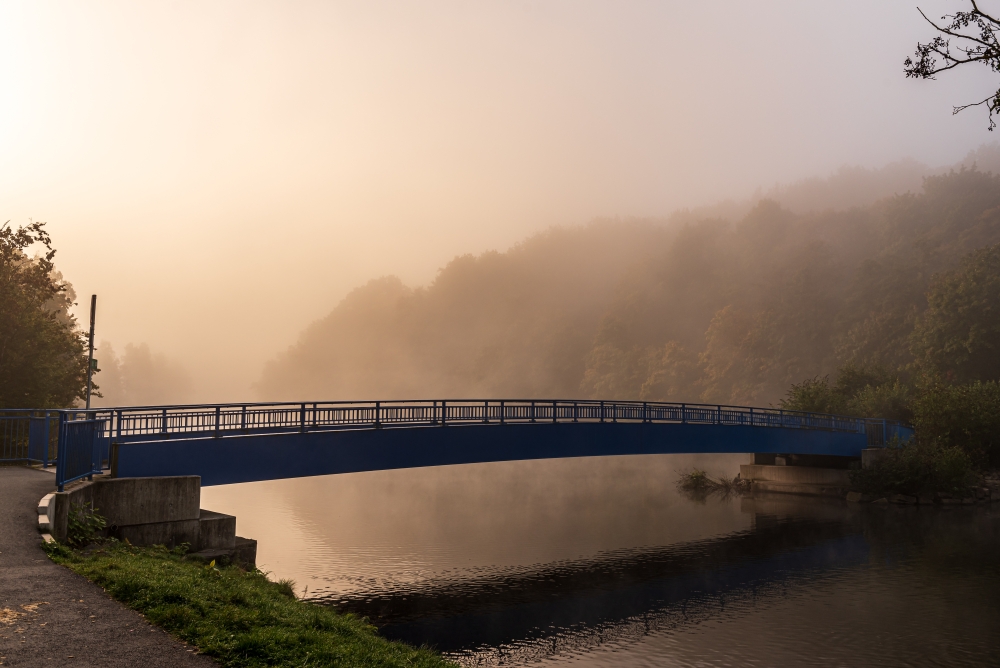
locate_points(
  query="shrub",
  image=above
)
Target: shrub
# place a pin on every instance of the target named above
(965, 416)
(698, 482)
(872, 391)
(83, 524)
(917, 469)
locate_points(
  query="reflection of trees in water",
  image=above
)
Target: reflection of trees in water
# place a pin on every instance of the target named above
(945, 543)
(615, 598)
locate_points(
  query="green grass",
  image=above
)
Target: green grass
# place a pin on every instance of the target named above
(240, 618)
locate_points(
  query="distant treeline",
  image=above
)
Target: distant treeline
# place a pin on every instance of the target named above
(681, 310)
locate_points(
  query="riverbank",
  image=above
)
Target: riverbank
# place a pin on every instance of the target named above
(239, 618)
(52, 616)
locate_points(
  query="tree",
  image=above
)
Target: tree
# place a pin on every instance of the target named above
(43, 357)
(975, 34)
(958, 336)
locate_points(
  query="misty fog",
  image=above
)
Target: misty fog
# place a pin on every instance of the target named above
(223, 197)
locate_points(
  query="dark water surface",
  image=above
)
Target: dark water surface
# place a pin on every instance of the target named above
(601, 562)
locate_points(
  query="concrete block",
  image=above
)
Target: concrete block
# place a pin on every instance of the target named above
(45, 506)
(245, 552)
(78, 493)
(217, 531)
(809, 475)
(128, 501)
(871, 455)
(170, 534)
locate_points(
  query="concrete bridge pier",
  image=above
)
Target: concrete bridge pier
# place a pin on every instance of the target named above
(811, 475)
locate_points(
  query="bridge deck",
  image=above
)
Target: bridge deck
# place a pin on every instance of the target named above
(227, 443)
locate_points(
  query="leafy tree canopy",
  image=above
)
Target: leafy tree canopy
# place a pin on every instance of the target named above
(958, 336)
(43, 359)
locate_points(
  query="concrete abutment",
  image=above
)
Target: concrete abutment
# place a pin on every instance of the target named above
(151, 511)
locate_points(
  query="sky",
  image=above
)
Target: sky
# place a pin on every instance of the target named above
(221, 174)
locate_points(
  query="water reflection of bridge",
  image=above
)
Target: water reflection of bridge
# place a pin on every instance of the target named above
(617, 597)
(230, 443)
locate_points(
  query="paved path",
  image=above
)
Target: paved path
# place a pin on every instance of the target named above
(49, 615)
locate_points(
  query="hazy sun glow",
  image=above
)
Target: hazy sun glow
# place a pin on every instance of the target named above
(222, 173)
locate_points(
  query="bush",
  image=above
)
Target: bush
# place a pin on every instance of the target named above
(698, 482)
(919, 468)
(873, 391)
(965, 416)
(83, 525)
(891, 401)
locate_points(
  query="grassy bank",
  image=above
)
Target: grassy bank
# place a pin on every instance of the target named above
(239, 618)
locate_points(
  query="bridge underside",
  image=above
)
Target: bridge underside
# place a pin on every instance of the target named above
(272, 456)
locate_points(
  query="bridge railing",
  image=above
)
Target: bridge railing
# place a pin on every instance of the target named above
(145, 422)
(83, 450)
(28, 436)
(85, 436)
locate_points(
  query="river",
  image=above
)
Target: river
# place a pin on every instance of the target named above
(603, 562)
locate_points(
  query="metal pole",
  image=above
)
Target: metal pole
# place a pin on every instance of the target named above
(90, 355)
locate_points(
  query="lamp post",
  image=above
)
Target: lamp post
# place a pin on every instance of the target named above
(90, 356)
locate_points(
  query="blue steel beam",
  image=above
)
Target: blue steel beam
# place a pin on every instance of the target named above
(253, 457)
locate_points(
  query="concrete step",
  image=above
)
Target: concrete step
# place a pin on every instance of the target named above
(217, 531)
(243, 553)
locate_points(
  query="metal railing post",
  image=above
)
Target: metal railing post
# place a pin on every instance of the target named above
(532, 411)
(61, 454)
(576, 412)
(486, 412)
(645, 415)
(553, 412)
(378, 414)
(444, 409)
(45, 437)
(683, 414)
(503, 412)
(602, 411)
(164, 425)
(94, 465)
(243, 419)
(218, 416)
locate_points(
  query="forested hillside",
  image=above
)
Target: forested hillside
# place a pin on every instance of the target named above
(683, 309)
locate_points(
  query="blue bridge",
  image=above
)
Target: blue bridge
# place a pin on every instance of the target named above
(232, 443)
